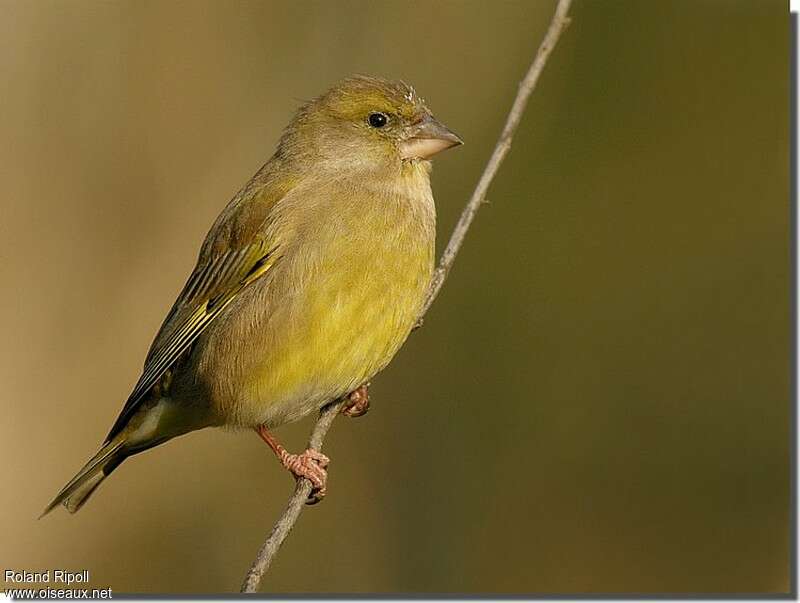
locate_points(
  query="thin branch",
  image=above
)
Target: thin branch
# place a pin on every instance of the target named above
(526, 86)
(302, 490)
(296, 503)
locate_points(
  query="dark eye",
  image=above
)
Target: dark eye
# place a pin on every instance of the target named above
(378, 120)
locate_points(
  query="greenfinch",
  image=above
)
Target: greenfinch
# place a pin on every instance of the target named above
(305, 287)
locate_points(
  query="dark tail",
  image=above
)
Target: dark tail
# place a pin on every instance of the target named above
(80, 487)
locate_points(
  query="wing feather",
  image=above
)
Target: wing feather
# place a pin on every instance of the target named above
(209, 290)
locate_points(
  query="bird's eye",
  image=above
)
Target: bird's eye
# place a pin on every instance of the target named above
(378, 120)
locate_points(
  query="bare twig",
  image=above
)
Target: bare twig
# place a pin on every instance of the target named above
(559, 22)
(296, 503)
(301, 492)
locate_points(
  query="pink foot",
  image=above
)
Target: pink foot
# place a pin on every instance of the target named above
(309, 465)
(358, 402)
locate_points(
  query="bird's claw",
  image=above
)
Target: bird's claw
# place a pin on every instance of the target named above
(357, 402)
(310, 465)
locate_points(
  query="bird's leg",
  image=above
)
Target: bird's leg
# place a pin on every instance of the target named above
(357, 402)
(309, 464)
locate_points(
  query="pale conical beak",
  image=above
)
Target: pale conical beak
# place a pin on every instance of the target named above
(428, 138)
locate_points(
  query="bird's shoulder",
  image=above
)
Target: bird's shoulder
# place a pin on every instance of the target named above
(237, 241)
(244, 219)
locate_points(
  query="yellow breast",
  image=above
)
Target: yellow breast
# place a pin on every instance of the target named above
(341, 300)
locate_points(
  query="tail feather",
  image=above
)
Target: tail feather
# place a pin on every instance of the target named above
(80, 487)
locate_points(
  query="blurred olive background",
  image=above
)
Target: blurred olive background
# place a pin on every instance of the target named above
(599, 399)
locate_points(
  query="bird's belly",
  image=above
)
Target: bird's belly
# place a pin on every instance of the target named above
(340, 327)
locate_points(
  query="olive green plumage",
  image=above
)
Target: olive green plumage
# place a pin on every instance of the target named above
(306, 285)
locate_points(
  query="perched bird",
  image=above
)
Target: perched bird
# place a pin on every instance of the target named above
(305, 287)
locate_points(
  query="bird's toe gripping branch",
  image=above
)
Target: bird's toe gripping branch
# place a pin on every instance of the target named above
(310, 465)
(357, 402)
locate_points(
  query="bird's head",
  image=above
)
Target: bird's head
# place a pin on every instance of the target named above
(370, 122)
